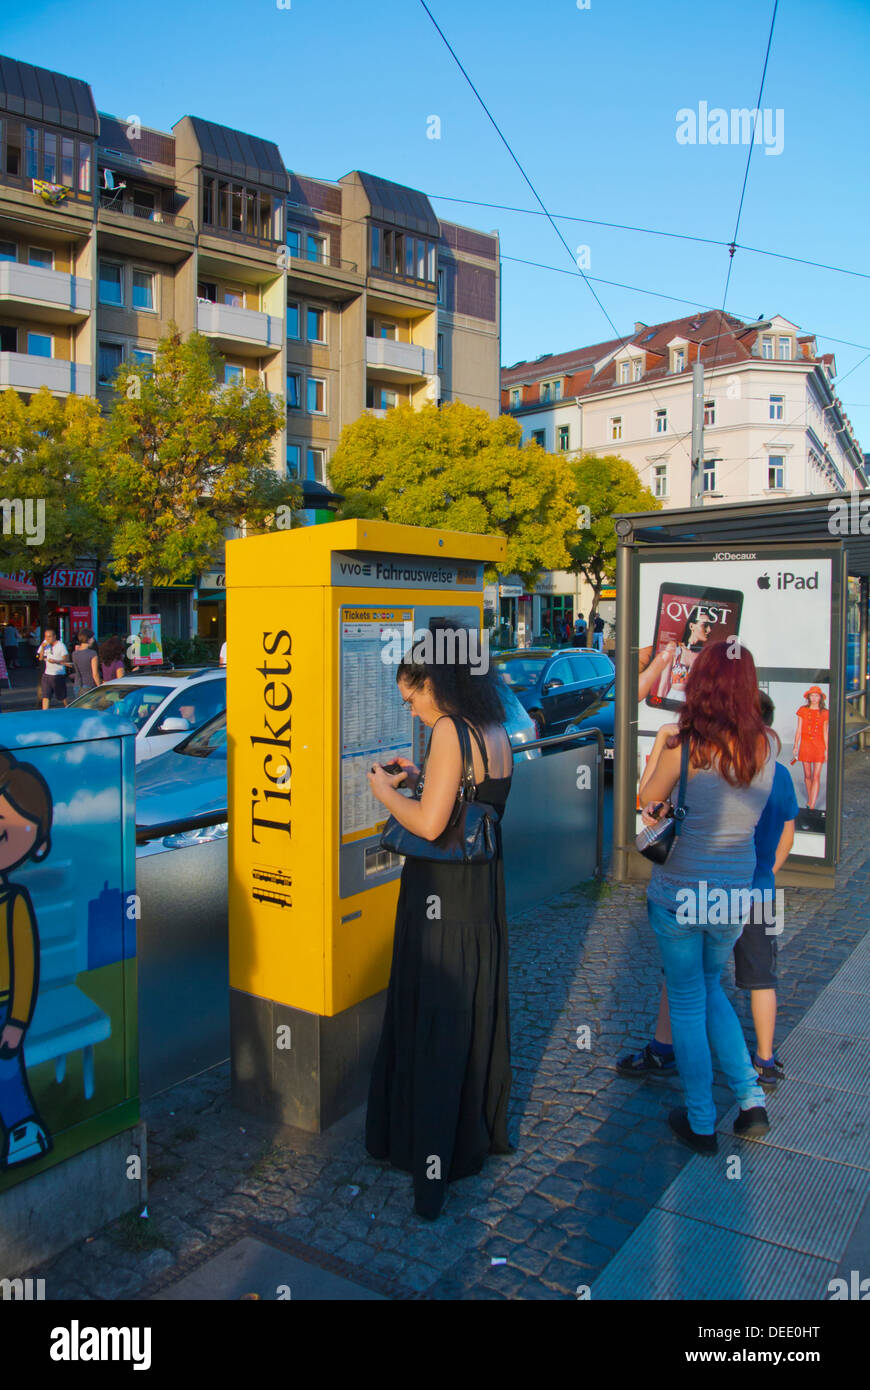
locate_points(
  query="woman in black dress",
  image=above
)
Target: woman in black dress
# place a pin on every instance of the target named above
(441, 1079)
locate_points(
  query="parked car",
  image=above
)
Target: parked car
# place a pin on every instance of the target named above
(164, 708)
(558, 688)
(602, 719)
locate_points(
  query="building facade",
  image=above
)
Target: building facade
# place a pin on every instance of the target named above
(773, 424)
(338, 297)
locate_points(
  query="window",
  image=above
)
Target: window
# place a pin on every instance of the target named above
(294, 390)
(143, 289)
(516, 398)
(84, 168)
(440, 355)
(8, 251)
(381, 398)
(708, 483)
(49, 156)
(709, 413)
(679, 364)
(409, 257)
(31, 152)
(624, 373)
(315, 465)
(234, 374)
(540, 437)
(110, 283)
(293, 458)
(41, 256)
(315, 249)
(12, 147)
(315, 325)
(196, 703)
(399, 262)
(67, 162)
(143, 357)
(387, 251)
(776, 407)
(564, 438)
(293, 241)
(39, 344)
(421, 261)
(109, 358)
(775, 471)
(616, 427)
(430, 261)
(784, 346)
(557, 390)
(316, 396)
(376, 247)
(8, 338)
(440, 294)
(767, 347)
(638, 369)
(235, 299)
(293, 321)
(206, 289)
(661, 422)
(660, 480)
(545, 391)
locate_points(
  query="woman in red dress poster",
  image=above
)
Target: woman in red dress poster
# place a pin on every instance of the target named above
(811, 741)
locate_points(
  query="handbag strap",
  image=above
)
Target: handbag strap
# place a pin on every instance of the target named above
(681, 807)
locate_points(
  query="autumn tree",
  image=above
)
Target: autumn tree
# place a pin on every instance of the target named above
(605, 486)
(457, 468)
(186, 457)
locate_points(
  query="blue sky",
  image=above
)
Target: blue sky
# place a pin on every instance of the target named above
(588, 99)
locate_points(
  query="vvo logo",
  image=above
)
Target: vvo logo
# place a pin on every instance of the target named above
(22, 1289)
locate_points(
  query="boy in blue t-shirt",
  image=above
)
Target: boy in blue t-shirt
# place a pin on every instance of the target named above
(754, 950)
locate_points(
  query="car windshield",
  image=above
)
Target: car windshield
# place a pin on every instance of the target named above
(134, 702)
(522, 673)
(209, 741)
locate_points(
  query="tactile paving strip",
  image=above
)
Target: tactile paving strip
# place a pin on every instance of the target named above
(815, 1120)
(826, 1059)
(835, 1011)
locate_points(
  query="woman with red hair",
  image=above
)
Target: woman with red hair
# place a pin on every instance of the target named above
(732, 756)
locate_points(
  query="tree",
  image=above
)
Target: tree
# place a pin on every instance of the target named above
(49, 455)
(457, 468)
(607, 486)
(185, 459)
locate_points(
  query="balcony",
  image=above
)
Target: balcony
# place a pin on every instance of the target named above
(124, 226)
(239, 331)
(404, 360)
(50, 295)
(21, 371)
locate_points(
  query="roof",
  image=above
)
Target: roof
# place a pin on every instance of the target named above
(403, 207)
(240, 156)
(38, 94)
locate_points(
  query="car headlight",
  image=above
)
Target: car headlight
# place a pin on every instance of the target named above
(184, 838)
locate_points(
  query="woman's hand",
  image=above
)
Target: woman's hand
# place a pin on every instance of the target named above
(382, 783)
(412, 772)
(654, 811)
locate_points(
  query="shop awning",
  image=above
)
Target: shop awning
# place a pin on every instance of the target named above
(13, 589)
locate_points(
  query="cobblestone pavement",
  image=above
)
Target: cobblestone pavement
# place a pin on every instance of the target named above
(593, 1149)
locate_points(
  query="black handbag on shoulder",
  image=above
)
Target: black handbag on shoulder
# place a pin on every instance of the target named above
(469, 836)
(656, 842)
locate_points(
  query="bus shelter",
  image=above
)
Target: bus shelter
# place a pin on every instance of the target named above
(789, 581)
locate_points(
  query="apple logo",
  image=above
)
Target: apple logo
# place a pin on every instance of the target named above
(763, 581)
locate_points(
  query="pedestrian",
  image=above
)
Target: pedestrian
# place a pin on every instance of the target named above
(581, 628)
(439, 1090)
(598, 633)
(111, 654)
(755, 951)
(731, 762)
(86, 669)
(57, 661)
(10, 646)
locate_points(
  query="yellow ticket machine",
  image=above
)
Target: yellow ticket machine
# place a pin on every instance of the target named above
(316, 618)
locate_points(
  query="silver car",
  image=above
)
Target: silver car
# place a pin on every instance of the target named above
(165, 708)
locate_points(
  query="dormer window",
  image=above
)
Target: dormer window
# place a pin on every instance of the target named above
(784, 352)
(638, 369)
(678, 361)
(767, 346)
(515, 398)
(624, 373)
(545, 391)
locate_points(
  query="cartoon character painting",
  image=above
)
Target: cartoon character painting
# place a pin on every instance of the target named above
(25, 834)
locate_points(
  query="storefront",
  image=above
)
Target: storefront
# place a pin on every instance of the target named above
(211, 620)
(69, 600)
(174, 604)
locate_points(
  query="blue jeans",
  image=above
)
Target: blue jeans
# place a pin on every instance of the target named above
(701, 1015)
(16, 1102)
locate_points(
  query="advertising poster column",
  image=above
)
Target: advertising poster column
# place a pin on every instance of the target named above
(779, 605)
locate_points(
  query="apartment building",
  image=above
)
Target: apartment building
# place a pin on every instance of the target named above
(773, 424)
(338, 297)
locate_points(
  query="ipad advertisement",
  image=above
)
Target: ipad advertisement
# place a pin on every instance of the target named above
(779, 607)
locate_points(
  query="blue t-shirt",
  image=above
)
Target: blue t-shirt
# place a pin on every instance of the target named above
(781, 807)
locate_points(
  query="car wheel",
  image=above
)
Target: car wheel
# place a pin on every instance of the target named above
(539, 722)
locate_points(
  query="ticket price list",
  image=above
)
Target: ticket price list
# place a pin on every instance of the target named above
(375, 726)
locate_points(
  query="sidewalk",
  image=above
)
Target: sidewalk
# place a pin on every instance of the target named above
(24, 693)
(596, 1173)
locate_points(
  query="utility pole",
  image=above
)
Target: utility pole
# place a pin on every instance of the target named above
(697, 480)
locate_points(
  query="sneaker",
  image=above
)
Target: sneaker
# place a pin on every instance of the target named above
(767, 1076)
(752, 1123)
(646, 1063)
(26, 1141)
(701, 1143)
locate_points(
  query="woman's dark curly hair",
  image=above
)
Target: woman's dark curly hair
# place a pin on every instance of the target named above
(459, 686)
(111, 649)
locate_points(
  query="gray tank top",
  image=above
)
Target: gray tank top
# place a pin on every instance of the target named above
(716, 843)
(82, 658)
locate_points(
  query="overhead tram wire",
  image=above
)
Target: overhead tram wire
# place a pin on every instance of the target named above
(620, 337)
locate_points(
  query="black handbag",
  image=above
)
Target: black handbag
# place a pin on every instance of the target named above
(657, 842)
(469, 836)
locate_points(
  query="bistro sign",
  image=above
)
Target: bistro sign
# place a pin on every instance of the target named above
(55, 579)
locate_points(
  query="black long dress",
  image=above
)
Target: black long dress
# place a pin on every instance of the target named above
(439, 1090)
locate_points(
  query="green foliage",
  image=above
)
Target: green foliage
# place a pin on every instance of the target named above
(190, 651)
(459, 469)
(607, 486)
